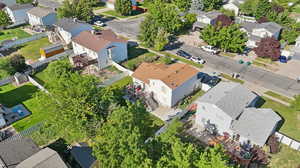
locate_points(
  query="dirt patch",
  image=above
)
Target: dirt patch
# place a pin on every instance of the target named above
(192, 39)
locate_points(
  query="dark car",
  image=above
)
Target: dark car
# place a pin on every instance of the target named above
(183, 54)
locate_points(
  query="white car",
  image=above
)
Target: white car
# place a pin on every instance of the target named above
(99, 23)
(197, 60)
(210, 49)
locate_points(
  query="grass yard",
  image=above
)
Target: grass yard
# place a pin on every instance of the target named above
(137, 56)
(115, 14)
(278, 96)
(286, 158)
(12, 33)
(11, 96)
(228, 77)
(291, 125)
(31, 50)
(183, 60)
(123, 82)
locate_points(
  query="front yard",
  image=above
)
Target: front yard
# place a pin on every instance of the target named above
(11, 96)
(13, 33)
(115, 14)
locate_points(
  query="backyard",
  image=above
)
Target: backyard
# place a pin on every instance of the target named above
(11, 96)
(286, 158)
(13, 33)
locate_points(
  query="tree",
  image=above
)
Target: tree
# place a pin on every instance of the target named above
(262, 20)
(197, 5)
(223, 21)
(268, 47)
(120, 143)
(229, 38)
(4, 19)
(24, 1)
(229, 13)
(212, 4)
(123, 7)
(148, 32)
(80, 9)
(18, 63)
(262, 9)
(290, 35)
(248, 7)
(182, 5)
(5, 68)
(161, 40)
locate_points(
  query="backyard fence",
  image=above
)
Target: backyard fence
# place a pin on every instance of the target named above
(6, 81)
(35, 83)
(121, 68)
(288, 141)
(10, 44)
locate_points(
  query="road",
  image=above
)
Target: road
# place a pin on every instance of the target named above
(258, 76)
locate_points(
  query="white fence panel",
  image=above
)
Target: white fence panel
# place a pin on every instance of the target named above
(35, 83)
(121, 68)
(295, 145)
(288, 141)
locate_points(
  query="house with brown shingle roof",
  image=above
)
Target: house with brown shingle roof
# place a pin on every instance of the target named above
(168, 83)
(103, 46)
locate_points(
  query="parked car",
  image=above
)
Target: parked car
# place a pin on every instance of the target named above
(183, 54)
(210, 49)
(198, 60)
(99, 23)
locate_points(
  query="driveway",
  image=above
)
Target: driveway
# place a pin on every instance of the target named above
(279, 83)
(263, 78)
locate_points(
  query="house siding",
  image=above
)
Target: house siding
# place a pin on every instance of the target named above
(17, 16)
(67, 36)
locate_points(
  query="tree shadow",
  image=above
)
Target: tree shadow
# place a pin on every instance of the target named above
(61, 147)
(18, 95)
(134, 52)
(173, 45)
(11, 50)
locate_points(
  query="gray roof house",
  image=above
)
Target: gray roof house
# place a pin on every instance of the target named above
(256, 31)
(230, 108)
(205, 18)
(82, 154)
(45, 158)
(18, 12)
(256, 125)
(68, 28)
(41, 16)
(13, 152)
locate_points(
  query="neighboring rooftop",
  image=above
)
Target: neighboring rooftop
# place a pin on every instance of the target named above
(97, 40)
(256, 124)
(40, 12)
(69, 24)
(270, 26)
(231, 97)
(12, 152)
(211, 14)
(172, 75)
(83, 155)
(20, 6)
(45, 158)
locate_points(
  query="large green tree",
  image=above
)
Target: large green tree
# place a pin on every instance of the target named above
(229, 38)
(80, 9)
(24, 1)
(182, 5)
(212, 4)
(123, 7)
(4, 19)
(262, 9)
(6, 69)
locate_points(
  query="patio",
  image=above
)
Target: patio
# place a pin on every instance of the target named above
(16, 113)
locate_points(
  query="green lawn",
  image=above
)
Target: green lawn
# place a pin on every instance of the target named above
(115, 14)
(123, 82)
(41, 77)
(286, 158)
(31, 50)
(278, 96)
(228, 77)
(291, 125)
(11, 96)
(183, 60)
(137, 56)
(189, 99)
(11, 33)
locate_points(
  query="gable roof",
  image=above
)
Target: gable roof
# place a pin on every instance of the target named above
(40, 12)
(230, 97)
(69, 24)
(45, 158)
(98, 40)
(256, 124)
(172, 75)
(270, 26)
(20, 6)
(12, 152)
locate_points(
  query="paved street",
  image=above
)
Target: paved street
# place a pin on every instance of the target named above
(260, 77)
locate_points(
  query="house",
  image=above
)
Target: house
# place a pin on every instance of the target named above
(82, 155)
(111, 3)
(256, 31)
(103, 46)
(67, 28)
(38, 16)
(18, 12)
(230, 109)
(205, 18)
(256, 125)
(54, 5)
(45, 158)
(8, 2)
(168, 84)
(234, 5)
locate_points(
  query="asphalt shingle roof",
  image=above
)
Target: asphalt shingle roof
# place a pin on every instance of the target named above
(83, 155)
(256, 124)
(40, 12)
(69, 24)
(230, 97)
(49, 4)
(20, 6)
